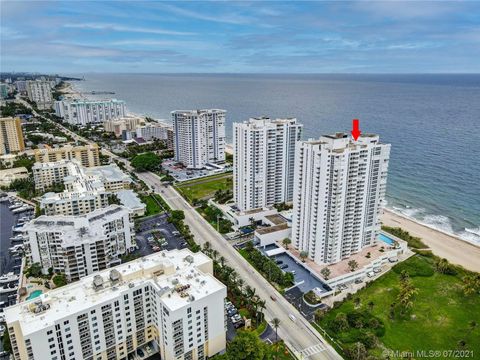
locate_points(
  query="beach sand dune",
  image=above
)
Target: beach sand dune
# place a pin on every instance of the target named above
(453, 249)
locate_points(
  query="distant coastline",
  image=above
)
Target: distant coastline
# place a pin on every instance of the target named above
(469, 233)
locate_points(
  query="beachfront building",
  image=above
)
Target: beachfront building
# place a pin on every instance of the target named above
(168, 302)
(87, 155)
(123, 124)
(11, 136)
(156, 130)
(83, 112)
(339, 191)
(199, 137)
(80, 245)
(264, 156)
(40, 92)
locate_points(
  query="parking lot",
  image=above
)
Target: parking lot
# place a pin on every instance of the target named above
(152, 230)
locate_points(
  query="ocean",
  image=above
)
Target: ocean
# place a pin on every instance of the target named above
(432, 122)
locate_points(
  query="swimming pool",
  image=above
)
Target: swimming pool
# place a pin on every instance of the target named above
(386, 239)
(34, 294)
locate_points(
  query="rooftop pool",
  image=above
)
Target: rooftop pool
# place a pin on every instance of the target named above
(386, 239)
(34, 294)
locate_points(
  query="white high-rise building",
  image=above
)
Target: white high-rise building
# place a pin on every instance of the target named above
(83, 112)
(338, 195)
(80, 245)
(40, 92)
(264, 156)
(167, 303)
(199, 137)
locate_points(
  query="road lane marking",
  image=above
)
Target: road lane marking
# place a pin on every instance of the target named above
(312, 350)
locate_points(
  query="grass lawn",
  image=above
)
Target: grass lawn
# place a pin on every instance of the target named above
(438, 320)
(205, 188)
(153, 204)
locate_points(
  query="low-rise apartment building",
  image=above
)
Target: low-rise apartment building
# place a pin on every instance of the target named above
(119, 126)
(83, 112)
(80, 245)
(168, 301)
(156, 130)
(87, 155)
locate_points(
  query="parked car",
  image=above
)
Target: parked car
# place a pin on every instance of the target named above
(279, 262)
(284, 266)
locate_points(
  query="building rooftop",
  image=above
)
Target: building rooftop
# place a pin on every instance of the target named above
(77, 229)
(108, 173)
(179, 277)
(13, 171)
(271, 229)
(276, 219)
(129, 199)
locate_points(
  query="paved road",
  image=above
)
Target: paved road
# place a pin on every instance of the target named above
(299, 334)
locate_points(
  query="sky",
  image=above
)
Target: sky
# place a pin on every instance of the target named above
(240, 37)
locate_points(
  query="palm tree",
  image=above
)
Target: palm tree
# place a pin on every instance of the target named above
(214, 255)
(207, 247)
(222, 261)
(303, 255)
(370, 306)
(261, 307)
(286, 242)
(276, 324)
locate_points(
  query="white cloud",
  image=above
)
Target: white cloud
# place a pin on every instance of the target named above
(122, 28)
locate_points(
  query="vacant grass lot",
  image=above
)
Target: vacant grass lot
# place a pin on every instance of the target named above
(153, 204)
(204, 188)
(439, 319)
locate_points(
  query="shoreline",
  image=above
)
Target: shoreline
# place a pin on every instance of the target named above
(449, 246)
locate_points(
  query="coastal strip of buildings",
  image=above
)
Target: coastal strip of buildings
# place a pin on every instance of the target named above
(335, 184)
(168, 301)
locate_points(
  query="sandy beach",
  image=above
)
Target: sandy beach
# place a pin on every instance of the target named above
(454, 249)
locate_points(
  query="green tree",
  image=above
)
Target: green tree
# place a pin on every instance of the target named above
(246, 346)
(325, 273)
(60, 280)
(303, 255)
(146, 162)
(286, 242)
(276, 325)
(353, 265)
(35, 270)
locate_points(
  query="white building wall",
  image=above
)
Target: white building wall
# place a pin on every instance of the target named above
(338, 194)
(264, 155)
(199, 137)
(83, 112)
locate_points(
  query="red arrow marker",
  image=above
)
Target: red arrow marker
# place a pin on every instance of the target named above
(356, 131)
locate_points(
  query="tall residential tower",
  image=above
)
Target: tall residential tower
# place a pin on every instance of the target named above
(199, 137)
(264, 155)
(11, 136)
(339, 192)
